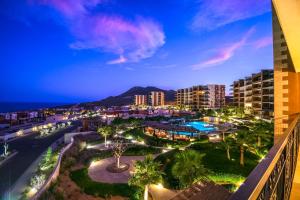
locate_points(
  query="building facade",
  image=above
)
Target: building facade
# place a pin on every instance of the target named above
(157, 98)
(201, 96)
(238, 93)
(255, 94)
(286, 43)
(216, 96)
(140, 100)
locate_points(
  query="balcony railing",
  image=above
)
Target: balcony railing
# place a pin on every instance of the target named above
(273, 176)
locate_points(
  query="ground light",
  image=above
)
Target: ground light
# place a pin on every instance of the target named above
(32, 192)
(160, 185)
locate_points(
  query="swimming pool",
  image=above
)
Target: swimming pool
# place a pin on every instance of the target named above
(201, 126)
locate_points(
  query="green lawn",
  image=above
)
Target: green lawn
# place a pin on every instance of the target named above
(141, 151)
(105, 190)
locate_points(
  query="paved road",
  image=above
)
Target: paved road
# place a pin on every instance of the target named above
(29, 149)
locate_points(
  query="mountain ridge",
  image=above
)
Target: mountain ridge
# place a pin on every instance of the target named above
(127, 97)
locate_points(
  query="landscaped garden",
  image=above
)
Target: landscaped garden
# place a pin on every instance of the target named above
(121, 166)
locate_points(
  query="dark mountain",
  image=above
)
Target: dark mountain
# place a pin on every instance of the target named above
(127, 97)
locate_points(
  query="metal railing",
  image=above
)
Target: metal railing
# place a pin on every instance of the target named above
(273, 176)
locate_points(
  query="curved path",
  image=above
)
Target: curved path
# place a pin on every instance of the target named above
(97, 170)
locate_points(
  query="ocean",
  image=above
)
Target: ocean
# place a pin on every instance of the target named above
(19, 106)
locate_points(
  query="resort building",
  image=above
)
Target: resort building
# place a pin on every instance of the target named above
(255, 94)
(238, 93)
(194, 98)
(201, 96)
(140, 100)
(157, 98)
(216, 96)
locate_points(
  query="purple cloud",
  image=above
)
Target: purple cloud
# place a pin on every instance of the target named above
(216, 13)
(224, 54)
(130, 40)
(120, 60)
(263, 42)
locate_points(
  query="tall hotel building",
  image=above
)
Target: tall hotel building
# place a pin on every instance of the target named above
(201, 96)
(255, 94)
(286, 51)
(216, 96)
(157, 98)
(140, 100)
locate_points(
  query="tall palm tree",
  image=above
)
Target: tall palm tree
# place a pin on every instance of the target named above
(105, 131)
(188, 168)
(262, 130)
(146, 172)
(242, 138)
(227, 144)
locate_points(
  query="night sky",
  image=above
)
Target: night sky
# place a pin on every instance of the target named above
(84, 50)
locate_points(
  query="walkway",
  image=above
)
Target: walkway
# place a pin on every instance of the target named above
(97, 170)
(295, 193)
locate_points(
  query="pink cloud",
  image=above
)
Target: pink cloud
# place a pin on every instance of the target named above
(119, 60)
(216, 13)
(224, 54)
(132, 40)
(263, 42)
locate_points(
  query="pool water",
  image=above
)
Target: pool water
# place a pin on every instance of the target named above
(201, 126)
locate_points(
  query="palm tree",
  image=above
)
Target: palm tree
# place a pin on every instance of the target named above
(242, 138)
(146, 172)
(227, 144)
(188, 168)
(105, 131)
(224, 117)
(261, 130)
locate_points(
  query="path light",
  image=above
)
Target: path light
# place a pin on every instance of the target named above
(262, 159)
(20, 132)
(165, 150)
(142, 142)
(239, 183)
(93, 163)
(160, 185)
(32, 192)
(35, 128)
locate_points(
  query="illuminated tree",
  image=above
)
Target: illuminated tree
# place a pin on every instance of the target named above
(263, 130)
(105, 131)
(227, 144)
(188, 168)
(146, 172)
(118, 149)
(242, 138)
